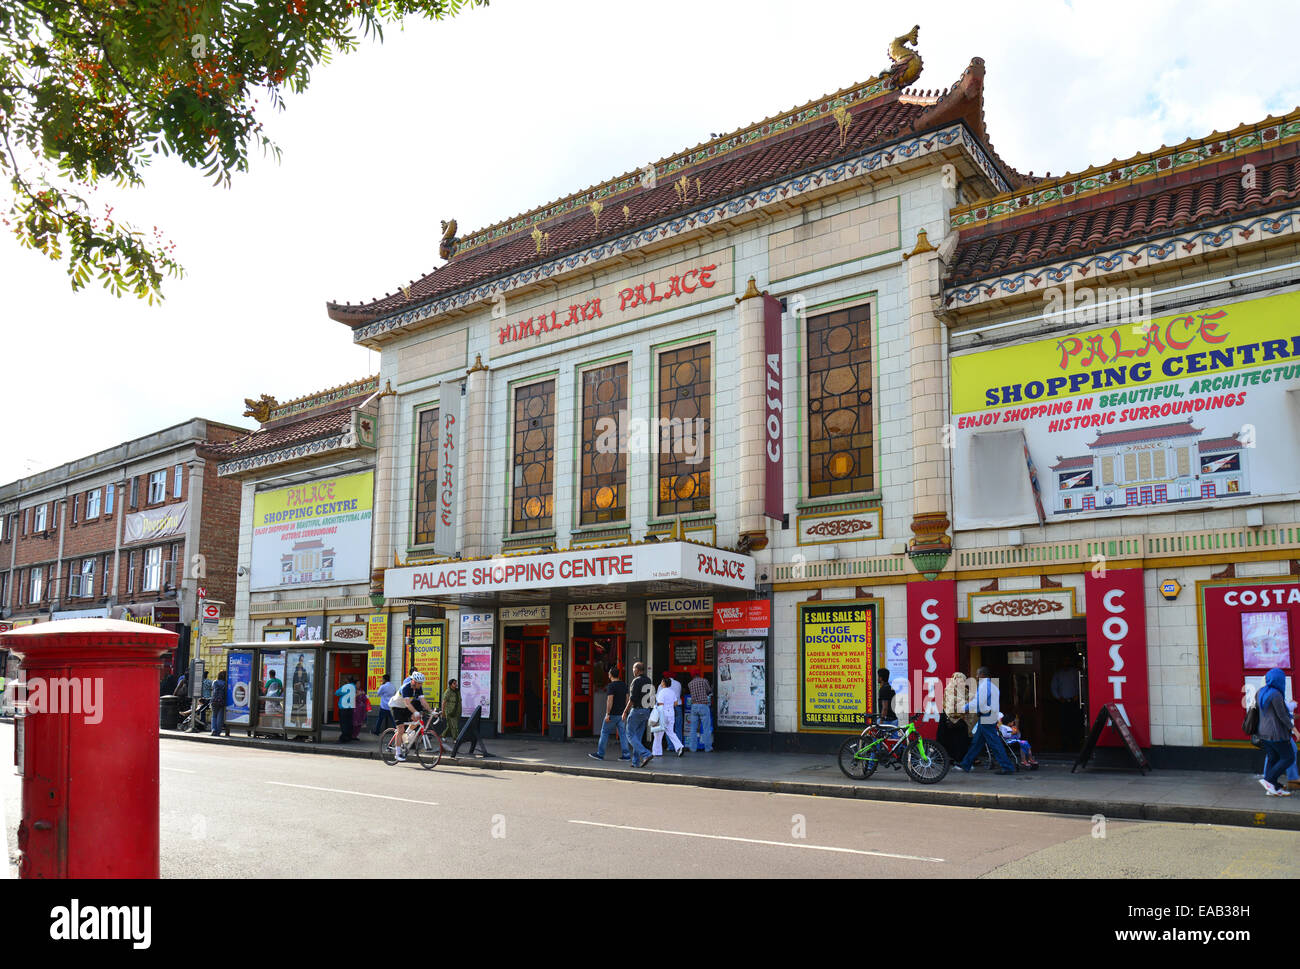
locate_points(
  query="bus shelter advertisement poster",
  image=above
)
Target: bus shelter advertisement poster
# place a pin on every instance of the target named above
(1153, 413)
(318, 531)
(837, 649)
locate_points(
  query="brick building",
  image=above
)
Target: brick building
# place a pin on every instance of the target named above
(130, 532)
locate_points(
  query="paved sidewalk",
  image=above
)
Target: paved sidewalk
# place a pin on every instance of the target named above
(1204, 797)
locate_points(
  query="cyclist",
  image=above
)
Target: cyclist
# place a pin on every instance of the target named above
(409, 699)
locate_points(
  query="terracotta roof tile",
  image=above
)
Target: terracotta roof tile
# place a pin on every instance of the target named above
(1138, 434)
(1079, 463)
(297, 431)
(1220, 444)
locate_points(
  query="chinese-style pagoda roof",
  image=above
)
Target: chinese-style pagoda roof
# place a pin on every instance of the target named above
(1078, 463)
(1220, 444)
(1137, 435)
(803, 138)
(323, 414)
(1250, 170)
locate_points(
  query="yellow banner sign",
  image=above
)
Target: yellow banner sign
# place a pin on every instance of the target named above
(1209, 346)
(427, 641)
(835, 665)
(557, 682)
(377, 658)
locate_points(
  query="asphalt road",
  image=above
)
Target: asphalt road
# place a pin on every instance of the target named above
(235, 812)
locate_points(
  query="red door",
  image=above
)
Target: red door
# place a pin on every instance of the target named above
(512, 685)
(582, 686)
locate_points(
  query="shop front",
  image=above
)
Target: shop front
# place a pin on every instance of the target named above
(539, 634)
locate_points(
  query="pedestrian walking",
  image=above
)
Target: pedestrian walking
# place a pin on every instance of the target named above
(679, 710)
(987, 702)
(1275, 726)
(640, 701)
(699, 735)
(667, 698)
(885, 697)
(615, 703)
(386, 691)
(219, 704)
(451, 709)
(347, 694)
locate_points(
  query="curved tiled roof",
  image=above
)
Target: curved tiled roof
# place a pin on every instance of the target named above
(1079, 463)
(810, 141)
(1138, 434)
(1107, 208)
(297, 431)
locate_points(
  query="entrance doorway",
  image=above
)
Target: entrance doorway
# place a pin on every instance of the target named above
(344, 665)
(597, 646)
(523, 679)
(1044, 682)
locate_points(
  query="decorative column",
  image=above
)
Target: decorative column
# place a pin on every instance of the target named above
(750, 411)
(381, 549)
(931, 545)
(474, 449)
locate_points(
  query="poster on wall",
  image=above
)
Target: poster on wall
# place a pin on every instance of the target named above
(1265, 640)
(277, 635)
(1156, 414)
(301, 668)
(557, 683)
(377, 655)
(311, 533)
(742, 683)
(239, 686)
(427, 642)
(476, 679)
(896, 663)
(837, 648)
(476, 628)
(271, 713)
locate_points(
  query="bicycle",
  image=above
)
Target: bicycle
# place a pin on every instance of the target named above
(880, 745)
(421, 742)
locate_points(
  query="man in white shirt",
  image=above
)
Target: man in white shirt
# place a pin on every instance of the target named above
(988, 702)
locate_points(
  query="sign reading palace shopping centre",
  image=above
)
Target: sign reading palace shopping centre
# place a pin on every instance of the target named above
(665, 562)
(681, 284)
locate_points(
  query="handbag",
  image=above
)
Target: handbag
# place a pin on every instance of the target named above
(656, 720)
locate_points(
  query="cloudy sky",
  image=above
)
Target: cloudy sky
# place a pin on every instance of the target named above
(500, 110)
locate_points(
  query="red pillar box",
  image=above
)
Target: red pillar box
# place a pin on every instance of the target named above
(86, 745)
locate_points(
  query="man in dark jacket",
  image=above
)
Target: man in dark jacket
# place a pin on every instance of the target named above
(219, 704)
(1274, 732)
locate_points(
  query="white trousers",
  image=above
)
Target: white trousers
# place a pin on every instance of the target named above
(666, 718)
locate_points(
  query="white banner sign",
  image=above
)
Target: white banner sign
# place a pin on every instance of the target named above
(679, 608)
(577, 569)
(156, 523)
(449, 442)
(598, 610)
(525, 615)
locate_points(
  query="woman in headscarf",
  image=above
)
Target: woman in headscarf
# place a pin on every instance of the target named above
(1275, 732)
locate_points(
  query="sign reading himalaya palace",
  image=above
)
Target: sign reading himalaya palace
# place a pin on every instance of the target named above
(1199, 405)
(622, 301)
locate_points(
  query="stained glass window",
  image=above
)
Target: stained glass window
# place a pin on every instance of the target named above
(685, 395)
(604, 458)
(840, 458)
(426, 476)
(533, 476)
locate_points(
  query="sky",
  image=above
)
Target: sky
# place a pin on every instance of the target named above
(503, 109)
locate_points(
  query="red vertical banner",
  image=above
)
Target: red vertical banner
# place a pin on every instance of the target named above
(773, 411)
(1117, 650)
(931, 646)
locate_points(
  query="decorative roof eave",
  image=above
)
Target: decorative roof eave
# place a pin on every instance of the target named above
(1161, 163)
(323, 398)
(293, 453)
(877, 158)
(1151, 254)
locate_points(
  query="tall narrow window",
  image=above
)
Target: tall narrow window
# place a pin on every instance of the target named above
(135, 492)
(92, 504)
(840, 453)
(87, 578)
(109, 494)
(533, 471)
(177, 480)
(152, 569)
(130, 574)
(157, 486)
(426, 476)
(106, 587)
(604, 458)
(39, 524)
(38, 585)
(685, 399)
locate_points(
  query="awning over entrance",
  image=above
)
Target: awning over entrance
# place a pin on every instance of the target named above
(666, 568)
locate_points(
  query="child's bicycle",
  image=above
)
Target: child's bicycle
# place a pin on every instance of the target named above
(883, 744)
(421, 743)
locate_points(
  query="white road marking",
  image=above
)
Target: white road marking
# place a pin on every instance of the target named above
(757, 841)
(181, 770)
(336, 790)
